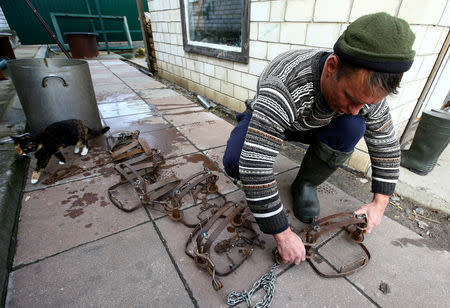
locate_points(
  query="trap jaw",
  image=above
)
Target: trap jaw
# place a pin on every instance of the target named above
(353, 224)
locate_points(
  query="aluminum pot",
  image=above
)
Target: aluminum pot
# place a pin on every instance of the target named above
(52, 90)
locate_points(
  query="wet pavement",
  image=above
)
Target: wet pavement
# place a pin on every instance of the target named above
(76, 249)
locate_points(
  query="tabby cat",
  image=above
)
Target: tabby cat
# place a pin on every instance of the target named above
(51, 141)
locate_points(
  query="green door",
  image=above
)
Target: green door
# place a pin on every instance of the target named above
(30, 31)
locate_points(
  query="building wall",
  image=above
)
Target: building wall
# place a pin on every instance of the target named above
(3, 22)
(281, 25)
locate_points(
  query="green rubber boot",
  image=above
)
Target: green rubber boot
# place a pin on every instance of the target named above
(430, 140)
(319, 163)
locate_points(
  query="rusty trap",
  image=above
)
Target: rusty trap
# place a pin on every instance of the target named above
(223, 234)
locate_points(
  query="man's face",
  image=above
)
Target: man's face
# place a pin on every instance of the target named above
(349, 93)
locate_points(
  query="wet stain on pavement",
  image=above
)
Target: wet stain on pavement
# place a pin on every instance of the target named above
(197, 158)
(69, 199)
(404, 242)
(78, 206)
(167, 140)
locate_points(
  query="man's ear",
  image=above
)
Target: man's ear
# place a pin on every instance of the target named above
(331, 65)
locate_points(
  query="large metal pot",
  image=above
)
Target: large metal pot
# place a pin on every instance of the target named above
(52, 90)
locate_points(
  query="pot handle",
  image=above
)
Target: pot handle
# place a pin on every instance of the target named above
(44, 80)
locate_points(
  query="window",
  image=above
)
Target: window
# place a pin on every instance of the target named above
(217, 28)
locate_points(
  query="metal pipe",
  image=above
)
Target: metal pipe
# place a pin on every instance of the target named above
(204, 102)
(42, 21)
(90, 13)
(102, 25)
(127, 32)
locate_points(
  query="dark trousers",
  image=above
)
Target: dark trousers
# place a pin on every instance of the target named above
(342, 134)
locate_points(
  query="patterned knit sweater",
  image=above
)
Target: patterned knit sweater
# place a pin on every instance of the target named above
(289, 98)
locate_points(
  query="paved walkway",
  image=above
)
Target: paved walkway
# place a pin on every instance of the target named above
(76, 249)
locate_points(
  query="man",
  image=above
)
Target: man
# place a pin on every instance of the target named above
(328, 100)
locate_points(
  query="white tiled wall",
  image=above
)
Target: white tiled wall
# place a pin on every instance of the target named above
(277, 26)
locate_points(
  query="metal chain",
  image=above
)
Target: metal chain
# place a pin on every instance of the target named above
(267, 282)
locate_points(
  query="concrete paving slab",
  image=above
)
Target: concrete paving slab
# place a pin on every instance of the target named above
(106, 81)
(391, 264)
(199, 281)
(118, 109)
(122, 68)
(300, 286)
(156, 93)
(209, 134)
(110, 63)
(113, 93)
(145, 122)
(169, 141)
(184, 166)
(102, 73)
(182, 110)
(117, 98)
(417, 275)
(58, 218)
(172, 103)
(282, 163)
(142, 83)
(190, 116)
(432, 190)
(128, 269)
(128, 73)
(95, 163)
(332, 292)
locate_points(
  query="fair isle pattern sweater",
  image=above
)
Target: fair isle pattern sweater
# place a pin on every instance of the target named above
(289, 98)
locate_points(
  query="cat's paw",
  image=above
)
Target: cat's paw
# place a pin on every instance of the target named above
(61, 162)
(76, 149)
(35, 177)
(85, 151)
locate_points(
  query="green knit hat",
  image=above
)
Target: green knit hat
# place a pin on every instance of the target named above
(378, 42)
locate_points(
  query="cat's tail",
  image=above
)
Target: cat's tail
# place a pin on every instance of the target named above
(94, 133)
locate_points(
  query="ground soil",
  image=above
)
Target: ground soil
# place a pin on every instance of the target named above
(435, 232)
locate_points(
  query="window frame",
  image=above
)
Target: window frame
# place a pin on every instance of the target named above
(215, 50)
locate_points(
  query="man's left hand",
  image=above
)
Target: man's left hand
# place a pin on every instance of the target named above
(374, 211)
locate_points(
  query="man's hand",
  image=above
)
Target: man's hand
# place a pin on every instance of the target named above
(290, 247)
(374, 211)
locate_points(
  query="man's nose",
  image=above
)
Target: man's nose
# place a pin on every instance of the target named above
(354, 109)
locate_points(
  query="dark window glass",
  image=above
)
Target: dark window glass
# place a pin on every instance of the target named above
(216, 28)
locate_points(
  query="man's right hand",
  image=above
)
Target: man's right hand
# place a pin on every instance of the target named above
(290, 247)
